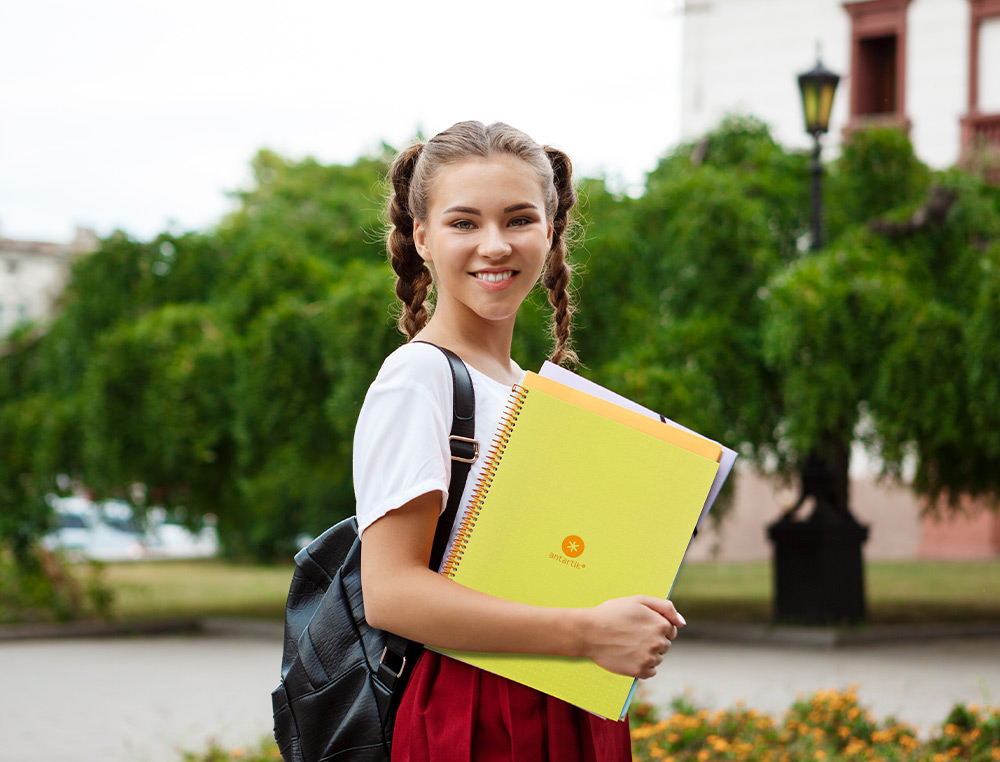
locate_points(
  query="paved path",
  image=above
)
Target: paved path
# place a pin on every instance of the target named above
(147, 699)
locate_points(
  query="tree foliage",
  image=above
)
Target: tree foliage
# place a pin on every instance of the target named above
(222, 372)
(712, 310)
(214, 372)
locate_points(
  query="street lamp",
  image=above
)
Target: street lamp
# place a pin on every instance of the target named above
(818, 568)
(817, 86)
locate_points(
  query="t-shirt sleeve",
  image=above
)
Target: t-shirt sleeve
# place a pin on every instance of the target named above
(401, 439)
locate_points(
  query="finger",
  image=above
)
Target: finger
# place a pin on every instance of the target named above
(650, 668)
(665, 609)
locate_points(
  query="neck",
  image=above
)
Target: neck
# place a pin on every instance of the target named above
(485, 345)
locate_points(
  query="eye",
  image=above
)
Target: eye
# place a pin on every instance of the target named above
(463, 225)
(518, 222)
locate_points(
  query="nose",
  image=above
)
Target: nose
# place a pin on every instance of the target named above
(494, 244)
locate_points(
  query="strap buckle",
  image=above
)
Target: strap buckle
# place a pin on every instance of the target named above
(466, 440)
(402, 666)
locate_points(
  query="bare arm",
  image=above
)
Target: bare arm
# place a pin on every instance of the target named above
(402, 595)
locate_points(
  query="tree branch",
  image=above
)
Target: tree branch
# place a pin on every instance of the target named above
(933, 212)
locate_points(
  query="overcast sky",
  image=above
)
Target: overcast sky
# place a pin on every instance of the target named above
(142, 114)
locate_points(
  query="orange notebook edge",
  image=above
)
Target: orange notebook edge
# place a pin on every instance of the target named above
(691, 442)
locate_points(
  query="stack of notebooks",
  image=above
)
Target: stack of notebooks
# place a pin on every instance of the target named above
(585, 496)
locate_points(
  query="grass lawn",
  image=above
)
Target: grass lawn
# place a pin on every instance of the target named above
(197, 588)
(898, 591)
(925, 591)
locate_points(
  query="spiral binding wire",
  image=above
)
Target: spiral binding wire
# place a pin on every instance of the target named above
(497, 447)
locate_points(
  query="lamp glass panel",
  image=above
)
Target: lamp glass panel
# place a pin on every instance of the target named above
(810, 105)
(825, 104)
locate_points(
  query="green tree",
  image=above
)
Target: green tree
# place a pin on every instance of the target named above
(727, 323)
(682, 284)
(889, 321)
(213, 373)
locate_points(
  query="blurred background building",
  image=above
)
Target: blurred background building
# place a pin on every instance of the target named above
(32, 275)
(930, 67)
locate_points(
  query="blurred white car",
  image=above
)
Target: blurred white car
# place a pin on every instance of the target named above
(169, 539)
(83, 531)
(108, 531)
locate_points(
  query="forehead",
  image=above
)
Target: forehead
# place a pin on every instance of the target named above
(484, 183)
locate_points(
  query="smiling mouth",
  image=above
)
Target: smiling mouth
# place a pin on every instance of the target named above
(495, 277)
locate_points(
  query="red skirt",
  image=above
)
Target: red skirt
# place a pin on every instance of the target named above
(454, 712)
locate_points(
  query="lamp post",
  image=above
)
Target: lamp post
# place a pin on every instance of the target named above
(817, 86)
(818, 569)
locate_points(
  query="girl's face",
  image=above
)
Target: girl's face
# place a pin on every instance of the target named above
(486, 237)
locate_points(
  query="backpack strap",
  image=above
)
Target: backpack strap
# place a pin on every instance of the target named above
(464, 451)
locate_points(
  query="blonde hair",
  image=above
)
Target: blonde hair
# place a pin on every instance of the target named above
(413, 173)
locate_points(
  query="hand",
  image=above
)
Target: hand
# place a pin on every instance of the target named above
(629, 636)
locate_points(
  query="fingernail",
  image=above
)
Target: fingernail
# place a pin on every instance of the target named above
(683, 620)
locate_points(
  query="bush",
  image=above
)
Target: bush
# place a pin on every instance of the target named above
(41, 586)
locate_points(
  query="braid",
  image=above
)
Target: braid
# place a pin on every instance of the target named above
(413, 278)
(558, 272)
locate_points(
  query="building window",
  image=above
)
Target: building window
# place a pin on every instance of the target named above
(982, 122)
(878, 62)
(877, 67)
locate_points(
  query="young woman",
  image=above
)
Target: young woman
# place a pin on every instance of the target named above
(479, 212)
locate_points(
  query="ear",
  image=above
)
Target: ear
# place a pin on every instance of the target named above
(550, 234)
(420, 241)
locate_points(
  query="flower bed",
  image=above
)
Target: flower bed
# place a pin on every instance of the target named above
(829, 726)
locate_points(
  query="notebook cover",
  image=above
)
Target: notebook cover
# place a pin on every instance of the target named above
(581, 508)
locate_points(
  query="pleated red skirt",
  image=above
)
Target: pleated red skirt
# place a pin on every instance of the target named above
(454, 712)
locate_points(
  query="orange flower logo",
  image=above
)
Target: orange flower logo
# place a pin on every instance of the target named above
(572, 546)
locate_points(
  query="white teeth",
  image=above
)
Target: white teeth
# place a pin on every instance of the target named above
(494, 277)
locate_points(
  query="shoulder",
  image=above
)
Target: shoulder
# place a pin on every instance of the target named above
(415, 365)
(415, 371)
(409, 406)
(415, 360)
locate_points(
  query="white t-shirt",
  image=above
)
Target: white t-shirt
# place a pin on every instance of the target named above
(401, 440)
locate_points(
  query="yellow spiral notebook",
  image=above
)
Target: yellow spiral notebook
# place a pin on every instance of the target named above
(581, 501)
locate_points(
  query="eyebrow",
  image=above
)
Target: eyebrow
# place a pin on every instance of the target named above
(507, 210)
